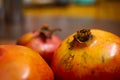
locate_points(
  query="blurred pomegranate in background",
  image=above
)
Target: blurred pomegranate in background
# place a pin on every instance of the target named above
(42, 41)
(88, 55)
(22, 63)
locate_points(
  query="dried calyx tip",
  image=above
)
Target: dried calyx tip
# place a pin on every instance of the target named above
(46, 32)
(83, 35)
(45, 27)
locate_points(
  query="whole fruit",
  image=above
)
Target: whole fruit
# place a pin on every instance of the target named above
(42, 41)
(88, 55)
(22, 63)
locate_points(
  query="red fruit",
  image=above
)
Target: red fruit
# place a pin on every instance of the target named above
(88, 55)
(42, 41)
(21, 63)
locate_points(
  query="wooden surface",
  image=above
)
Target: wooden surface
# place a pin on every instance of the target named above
(7, 41)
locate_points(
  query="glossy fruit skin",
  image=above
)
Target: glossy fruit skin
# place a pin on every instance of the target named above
(27, 37)
(96, 59)
(45, 48)
(22, 63)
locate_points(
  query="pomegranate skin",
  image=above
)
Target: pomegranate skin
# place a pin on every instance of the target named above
(45, 49)
(22, 63)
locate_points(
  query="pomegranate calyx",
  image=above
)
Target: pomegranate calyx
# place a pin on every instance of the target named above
(46, 32)
(81, 36)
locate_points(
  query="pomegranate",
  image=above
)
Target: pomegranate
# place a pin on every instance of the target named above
(22, 63)
(88, 55)
(42, 41)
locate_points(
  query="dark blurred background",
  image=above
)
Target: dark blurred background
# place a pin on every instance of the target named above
(20, 16)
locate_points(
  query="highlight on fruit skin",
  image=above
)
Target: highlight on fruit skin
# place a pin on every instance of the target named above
(26, 38)
(88, 54)
(22, 63)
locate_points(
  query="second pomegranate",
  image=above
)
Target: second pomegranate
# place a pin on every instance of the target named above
(42, 41)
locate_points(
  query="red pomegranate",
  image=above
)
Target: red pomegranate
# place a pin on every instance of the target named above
(42, 41)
